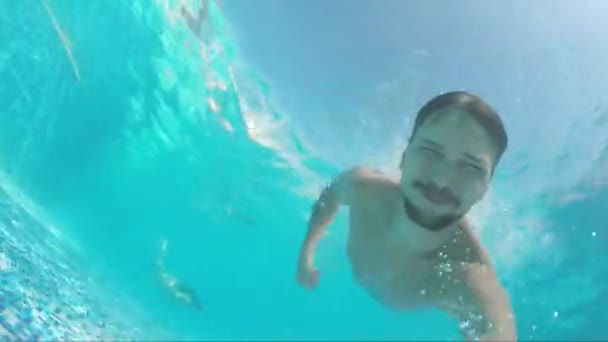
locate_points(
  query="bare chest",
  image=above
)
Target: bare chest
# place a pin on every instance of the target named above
(389, 272)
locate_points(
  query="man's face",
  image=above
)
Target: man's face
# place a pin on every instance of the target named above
(446, 169)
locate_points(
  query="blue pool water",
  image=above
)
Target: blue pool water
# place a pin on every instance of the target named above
(139, 138)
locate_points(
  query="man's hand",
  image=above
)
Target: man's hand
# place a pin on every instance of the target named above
(308, 276)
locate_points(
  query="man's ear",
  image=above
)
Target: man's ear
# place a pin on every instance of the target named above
(409, 141)
(482, 193)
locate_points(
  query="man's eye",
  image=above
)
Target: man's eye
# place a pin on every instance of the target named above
(430, 151)
(473, 167)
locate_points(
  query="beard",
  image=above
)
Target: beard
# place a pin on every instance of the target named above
(435, 224)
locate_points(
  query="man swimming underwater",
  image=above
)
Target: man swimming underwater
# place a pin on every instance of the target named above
(177, 290)
(409, 243)
(199, 25)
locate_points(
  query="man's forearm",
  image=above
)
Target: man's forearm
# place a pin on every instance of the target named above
(492, 331)
(493, 304)
(324, 210)
(503, 330)
(500, 335)
(500, 318)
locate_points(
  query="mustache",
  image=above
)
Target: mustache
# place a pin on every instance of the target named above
(444, 192)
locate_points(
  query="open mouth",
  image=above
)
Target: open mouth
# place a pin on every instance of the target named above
(436, 196)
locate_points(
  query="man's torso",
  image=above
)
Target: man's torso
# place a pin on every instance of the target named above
(387, 268)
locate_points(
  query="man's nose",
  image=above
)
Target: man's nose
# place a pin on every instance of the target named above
(442, 176)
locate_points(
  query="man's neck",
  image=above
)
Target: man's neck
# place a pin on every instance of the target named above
(421, 240)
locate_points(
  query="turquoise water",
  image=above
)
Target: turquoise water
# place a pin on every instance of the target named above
(142, 139)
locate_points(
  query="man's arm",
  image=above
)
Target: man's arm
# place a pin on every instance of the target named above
(493, 303)
(339, 191)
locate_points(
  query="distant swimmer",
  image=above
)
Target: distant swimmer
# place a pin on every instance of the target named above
(199, 25)
(179, 291)
(410, 244)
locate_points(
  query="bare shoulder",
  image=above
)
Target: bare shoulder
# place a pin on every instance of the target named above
(370, 185)
(371, 180)
(467, 246)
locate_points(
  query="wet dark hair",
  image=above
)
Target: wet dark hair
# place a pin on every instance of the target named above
(472, 105)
